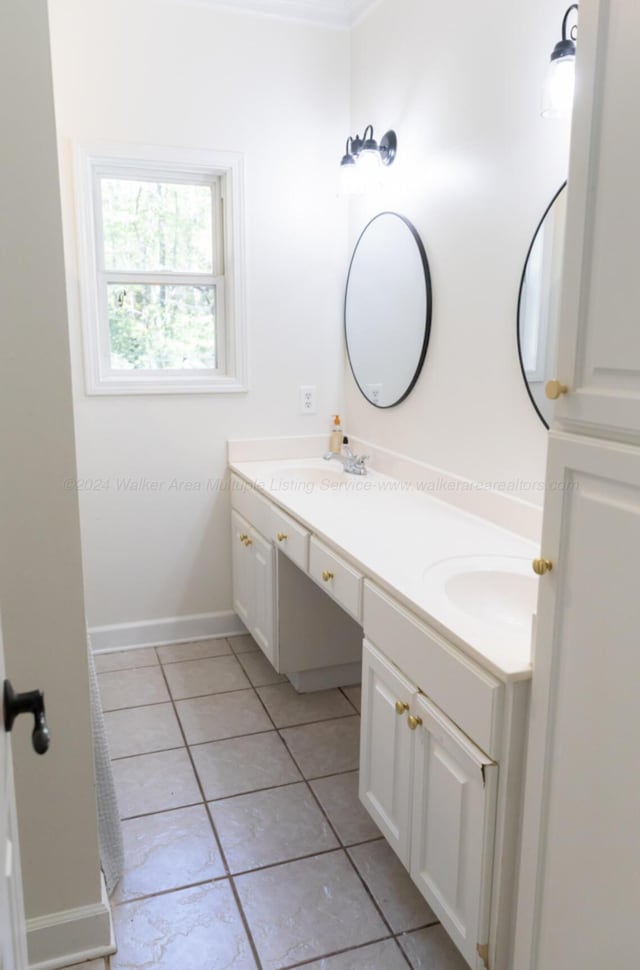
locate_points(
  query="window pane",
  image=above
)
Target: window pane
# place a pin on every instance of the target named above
(153, 327)
(155, 226)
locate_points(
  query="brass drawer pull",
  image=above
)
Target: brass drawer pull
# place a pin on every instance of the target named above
(243, 537)
(401, 707)
(282, 536)
(414, 722)
(326, 575)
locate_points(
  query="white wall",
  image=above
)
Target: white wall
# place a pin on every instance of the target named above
(477, 166)
(177, 73)
(40, 565)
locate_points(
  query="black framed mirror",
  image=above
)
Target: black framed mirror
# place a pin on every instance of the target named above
(387, 309)
(539, 304)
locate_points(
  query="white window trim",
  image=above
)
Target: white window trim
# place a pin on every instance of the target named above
(228, 166)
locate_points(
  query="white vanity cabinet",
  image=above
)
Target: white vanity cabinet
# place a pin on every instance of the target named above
(253, 569)
(432, 792)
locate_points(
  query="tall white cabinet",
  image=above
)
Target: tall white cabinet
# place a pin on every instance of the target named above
(579, 894)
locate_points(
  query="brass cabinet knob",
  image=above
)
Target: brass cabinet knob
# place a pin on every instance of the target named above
(414, 722)
(282, 536)
(554, 389)
(244, 537)
(542, 566)
(326, 575)
(401, 707)
(247, 541)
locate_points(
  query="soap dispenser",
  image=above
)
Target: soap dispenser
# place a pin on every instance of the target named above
(335, 439)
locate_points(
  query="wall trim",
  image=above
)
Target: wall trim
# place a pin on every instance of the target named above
(340, 14)
(165, 630)
(71, 936)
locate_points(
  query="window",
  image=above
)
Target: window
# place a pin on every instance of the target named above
(160, 240)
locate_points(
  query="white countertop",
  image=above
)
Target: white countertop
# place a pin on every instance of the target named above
(394, 534)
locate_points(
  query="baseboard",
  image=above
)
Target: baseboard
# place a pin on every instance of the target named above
(325, 678)
(172, 629)
(72, 936)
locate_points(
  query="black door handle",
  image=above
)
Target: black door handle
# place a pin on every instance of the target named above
(31, 702)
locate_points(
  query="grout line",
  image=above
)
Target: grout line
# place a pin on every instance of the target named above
(128, 818)
(336, 953)
(218, 841)
(344, 694)
(167, 892)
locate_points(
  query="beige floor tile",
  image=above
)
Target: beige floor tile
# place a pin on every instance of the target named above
(132, 688)
(241, 765)
(432, 949)
(338, 796)
(325, 748)
(391, 886)
(168, 851)
(194, 650)
(271, 826)
(125, 659)
(307, 909)
(155, 782)
(193, 929)
(259, 670)
(243, 644)
(375, 956)
(286, 706)
(213, 675)
(219, 716)
(355, 696)
(140, 730)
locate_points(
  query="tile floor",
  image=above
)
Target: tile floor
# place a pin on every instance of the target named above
(246, 846)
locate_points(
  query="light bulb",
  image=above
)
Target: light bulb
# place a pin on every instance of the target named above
(557, 97)
(369, 168)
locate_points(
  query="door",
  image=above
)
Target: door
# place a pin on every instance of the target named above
(599, 348)
(263, 609)
(454, 817)
(386, 749)
(13, 946)
(579, 892)
(242, 568)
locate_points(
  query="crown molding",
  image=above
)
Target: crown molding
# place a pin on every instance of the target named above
(323, 13)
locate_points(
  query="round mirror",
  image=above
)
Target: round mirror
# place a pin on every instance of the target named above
(387, 309)
(539, 304)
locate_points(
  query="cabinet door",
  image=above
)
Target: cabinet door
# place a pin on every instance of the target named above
(599, 347)
(453, 828)
(263, 606)
(579, 875)
(386, 749)
(242, 569)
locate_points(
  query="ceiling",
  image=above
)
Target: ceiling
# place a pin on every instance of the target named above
(326, 13)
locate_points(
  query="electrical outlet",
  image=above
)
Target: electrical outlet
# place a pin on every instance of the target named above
(308, 399)
(373, 393)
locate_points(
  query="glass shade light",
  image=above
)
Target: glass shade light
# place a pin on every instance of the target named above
(369, 171)
(557, 96)
(350, 182)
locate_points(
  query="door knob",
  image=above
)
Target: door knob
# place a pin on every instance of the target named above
(542, 566)
(554, 389)
(31, 702)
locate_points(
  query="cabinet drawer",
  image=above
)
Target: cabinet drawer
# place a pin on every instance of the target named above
(251, 505)
(470, 696)
(290, 538)
(336, 577)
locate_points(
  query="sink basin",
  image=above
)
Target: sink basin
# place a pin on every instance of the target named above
(500, 590)
(327, 475)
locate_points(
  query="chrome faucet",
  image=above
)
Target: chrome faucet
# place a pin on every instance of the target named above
(353, 464)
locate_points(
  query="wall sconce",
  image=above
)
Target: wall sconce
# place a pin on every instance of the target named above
(557, 98)
(363, 159)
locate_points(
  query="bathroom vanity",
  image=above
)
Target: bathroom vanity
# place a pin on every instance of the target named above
(339, 578)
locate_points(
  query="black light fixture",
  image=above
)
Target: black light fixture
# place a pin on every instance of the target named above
(557, 99)
(361, 163)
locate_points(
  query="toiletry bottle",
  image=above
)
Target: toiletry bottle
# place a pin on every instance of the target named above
(335, 439)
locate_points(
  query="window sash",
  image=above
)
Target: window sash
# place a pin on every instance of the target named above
(160, 279)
